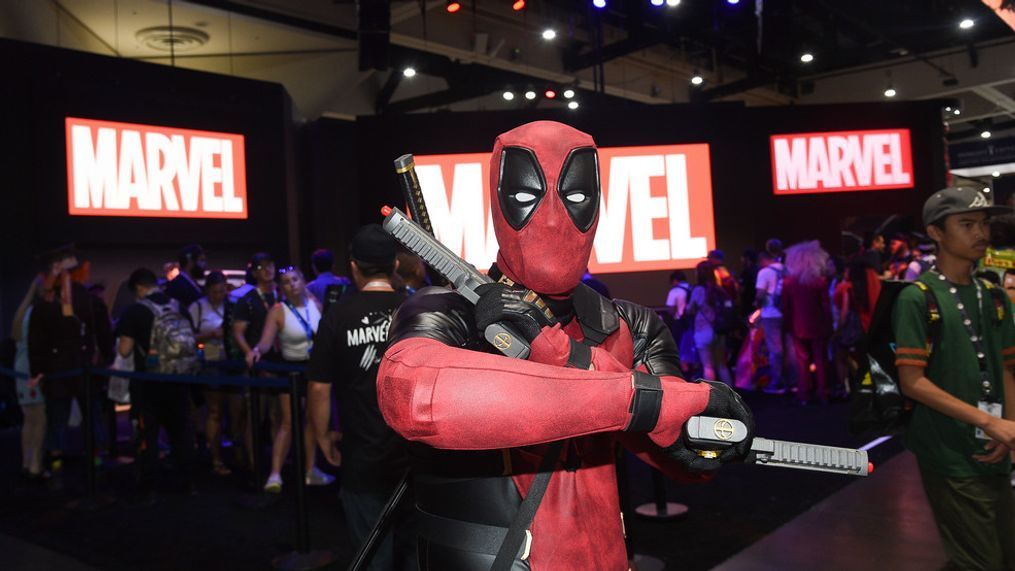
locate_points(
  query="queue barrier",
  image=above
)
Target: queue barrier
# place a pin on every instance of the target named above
(302, 557)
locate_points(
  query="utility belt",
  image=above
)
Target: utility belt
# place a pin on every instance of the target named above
(464, 521)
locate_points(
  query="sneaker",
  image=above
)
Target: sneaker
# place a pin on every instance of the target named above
(274, 484)
(318, 478)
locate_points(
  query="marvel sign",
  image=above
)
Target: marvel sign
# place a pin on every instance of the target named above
(124, 169)
(645, 220)
(841, 161)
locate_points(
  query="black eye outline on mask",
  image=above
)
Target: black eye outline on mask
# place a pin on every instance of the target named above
(521, 185)
(579, 193)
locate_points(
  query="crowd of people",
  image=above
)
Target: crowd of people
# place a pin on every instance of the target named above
(790, 322)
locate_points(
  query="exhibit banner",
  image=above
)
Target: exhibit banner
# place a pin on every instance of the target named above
(841, 161)
(126, 169)
(645, 220)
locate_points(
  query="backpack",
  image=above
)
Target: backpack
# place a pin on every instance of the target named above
(727, 319)
(876, 400)
(172, 339)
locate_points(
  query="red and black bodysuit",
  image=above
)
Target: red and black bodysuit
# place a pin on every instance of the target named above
(605, 372)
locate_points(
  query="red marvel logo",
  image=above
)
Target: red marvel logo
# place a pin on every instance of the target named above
(124, 169)
(645, 220)
(841, 161)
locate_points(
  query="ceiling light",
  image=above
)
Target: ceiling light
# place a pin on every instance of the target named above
(985, 134)
(409, 72)
(530, 95)
(453, 6)
(672, 3)
(518, 6)
(949, 108)
(657, 2)
(549, 34)
(550, 94)
(986, 189)
(995, 174)
(568, 93)
(732, 2)
(508, 96)
(890, 92)
(599, 3)
(572, 105)
(957, 111)
(807, 57)
(697, 80)
(966, 24)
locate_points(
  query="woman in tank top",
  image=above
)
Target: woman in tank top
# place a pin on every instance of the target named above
(291, 324)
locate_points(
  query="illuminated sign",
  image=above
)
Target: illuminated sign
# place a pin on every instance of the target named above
(123, 169)
(655, 213)
(842, 161)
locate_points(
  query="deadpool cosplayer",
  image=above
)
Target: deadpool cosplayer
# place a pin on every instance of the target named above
(601, 372)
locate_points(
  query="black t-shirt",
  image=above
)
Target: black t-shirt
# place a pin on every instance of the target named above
(253, 308)
(136, 323)
(347, 352)
(184, 291)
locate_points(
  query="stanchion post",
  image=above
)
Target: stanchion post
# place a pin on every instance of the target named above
(254, 426)
(91, 501)
(87, 415)
(302, 558)
(660, 508)
(299, 458)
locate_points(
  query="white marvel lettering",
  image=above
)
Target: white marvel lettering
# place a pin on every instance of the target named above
(682, 245)
(94, 167)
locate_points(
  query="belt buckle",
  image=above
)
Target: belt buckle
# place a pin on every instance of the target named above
(528, 545)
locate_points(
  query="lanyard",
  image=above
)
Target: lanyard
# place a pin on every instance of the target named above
(305, 322)
(976, 337)
(264, 301)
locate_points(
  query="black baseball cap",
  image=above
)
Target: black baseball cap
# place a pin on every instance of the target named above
(373, 245)
(958, 200)
(259, 259)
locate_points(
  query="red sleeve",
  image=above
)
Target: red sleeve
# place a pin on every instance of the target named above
(458, 399)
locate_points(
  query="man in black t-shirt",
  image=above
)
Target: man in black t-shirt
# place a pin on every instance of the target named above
(252, 309)
(184, 287)
(347, 352)
(154, 404)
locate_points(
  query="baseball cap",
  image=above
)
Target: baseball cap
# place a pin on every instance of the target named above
(957, 200)
(373, 245)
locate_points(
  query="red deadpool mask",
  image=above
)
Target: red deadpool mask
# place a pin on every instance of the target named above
(545, 200)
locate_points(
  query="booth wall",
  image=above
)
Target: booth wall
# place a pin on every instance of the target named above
(44, 85)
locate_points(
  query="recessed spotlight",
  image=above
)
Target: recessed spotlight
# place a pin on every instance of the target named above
(673, 3)
(986, 189)
(599, 3)
(657, 2)
(985, 134)
(807, 57)
(957, 111)
(453, 6)
(996, 174)
(572, 105)
(549, 34)
(949, 108)
(518, 5)
(409, 72)
(732, 2)
(697, 80)
(568, 93)
(550, 94)
(890, 92)
(966, 24)
(508, 96)
(530, 95)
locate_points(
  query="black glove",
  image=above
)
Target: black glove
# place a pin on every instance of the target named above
(723, 402)
(499, 303)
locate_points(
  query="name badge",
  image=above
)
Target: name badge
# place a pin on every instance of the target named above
(993, 409)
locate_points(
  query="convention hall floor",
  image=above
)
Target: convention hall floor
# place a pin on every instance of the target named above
(749, 517)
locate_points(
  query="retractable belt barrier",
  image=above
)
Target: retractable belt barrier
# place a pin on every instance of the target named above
(302, 557)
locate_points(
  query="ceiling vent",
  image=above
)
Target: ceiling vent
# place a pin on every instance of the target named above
(172, 39)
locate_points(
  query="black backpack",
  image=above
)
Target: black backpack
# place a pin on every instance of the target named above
(876, 401)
